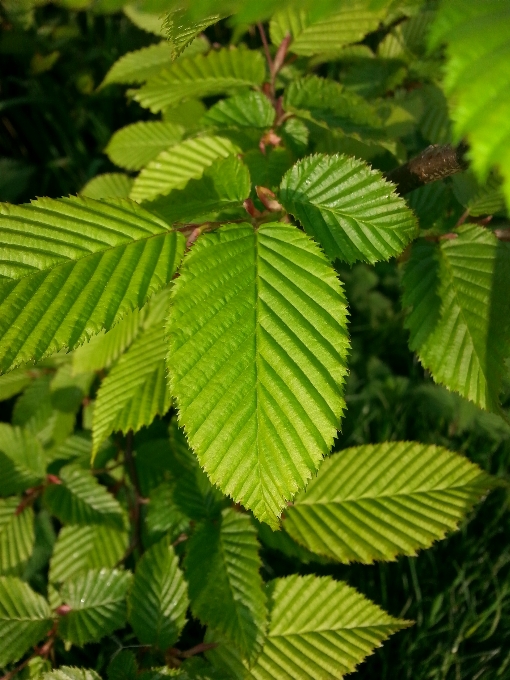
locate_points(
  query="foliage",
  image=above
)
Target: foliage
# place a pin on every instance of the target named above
(236, 291)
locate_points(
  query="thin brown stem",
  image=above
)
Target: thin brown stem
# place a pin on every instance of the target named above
(266, 47)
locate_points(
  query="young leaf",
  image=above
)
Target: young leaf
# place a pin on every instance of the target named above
(158, 600)
(375, 502)
(173, 169)
(79, 549)
(98, 605)
(16, 536)
(123, 666)
(22, 463)
(25, 618)
(252, 109)
(349, 208)
(461, 328)
(247, 309)
(164, 515)
(181, 32)
(109, 185)
(479, 200)
(13, 383)
(202, 76)
(135, 145)
(70, 673)
(82, 500)
(74, 266)
(225, 587)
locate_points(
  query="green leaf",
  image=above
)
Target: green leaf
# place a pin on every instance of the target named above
(173, 169)
(16, 536)
(479, 200)
(74, 266)
(140, 65)
(225, 587)
(151, 22)
(188, 114)
(135, 145)
(42, 550)
(81, 499)
(22, 462)
(477, 37)
(98, 605)
(267, 170)
(123, 666)
(319, 629)
(80, 548)
(13, 383)
(109, 185)
(158, 600)
(281, 541)
(328, 35)
(277, 404)
(375, 502)
(25, 618)
(349, 208)
(252, 109)
(461, 327)
(70, 673)
(181, 32)
(202, 76)
(163, 514)
(225, 184)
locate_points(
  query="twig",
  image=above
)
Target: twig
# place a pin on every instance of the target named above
(266, 46)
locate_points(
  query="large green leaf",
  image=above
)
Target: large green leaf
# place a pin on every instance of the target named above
(375, 502)
(181, 32)
(16, 536)
(81, 499)
(477, 36)
(460, 319)
(135, 145)
(158, 599)
(319, 629)
(109, 185)
(225, 587)
(71, 673)
(202, 76)
(252, 109)
(22, 462)
(98, 605)
(247, 310)
(349, 208)
(74, 266)
(25, 618)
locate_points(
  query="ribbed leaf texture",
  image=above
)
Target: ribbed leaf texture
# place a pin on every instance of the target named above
(329, 34)
(319, 629)
(109, 185)
(98, 605)
(25, 618)
(164, 515)
(181, 32)
(258, 344)
(135, 391)
(135, 145)
(477, 35)
(252, 109)
(158, 599)
(479, 200)
(22, 463)
(375, 502)
(225, 587)
(461, 327)
(202, 76)
(71, 673)
(349, 208)
(81, 499)
(16, 536)
(225, 184)
(74, 266)
(173, 169)
(123, 666)
(79, 549)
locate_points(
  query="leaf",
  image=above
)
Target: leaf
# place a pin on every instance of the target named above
(98, 605)
(349, 208)
(158, 600)
(247, 307)
(202, 76)
(267, 170)
(281, 541)
(140, 65)
(375, 502)
(79, 549)
(477, 37)
(74, 266)
(173, 169)
(163, 514)
(109, 185)
(222, 567)
(319, 629)
(188, 114)
(42, 549)
(21, 460)
(135, 145)
(70, 673)
(328, 35)
(252, 109)
(123, 666)
(147, 21)
(25, 618)
(16, 536)
(181, 32)
(461, 329)
(80, 499)
(13, 383)
(225, 184)
(479, 200)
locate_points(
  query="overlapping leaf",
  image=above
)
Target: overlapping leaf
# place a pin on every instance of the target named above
(74, 266)
(71, 673)
(22, 463)
(14, 382)
(181, 32)
(479, 200)
(109, 185)
(135, 145)
(16, 536)
(252, 109)
(257, 352)
(349, 208)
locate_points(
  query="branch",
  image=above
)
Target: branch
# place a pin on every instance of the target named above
(434, 163)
